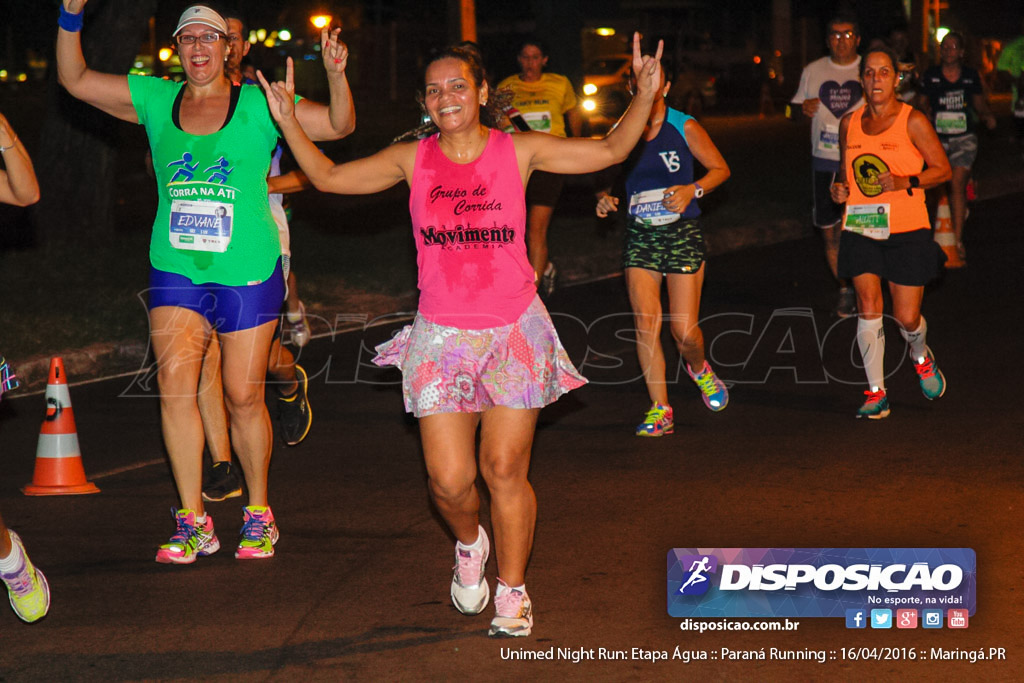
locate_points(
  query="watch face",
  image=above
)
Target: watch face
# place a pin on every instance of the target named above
(699, 192)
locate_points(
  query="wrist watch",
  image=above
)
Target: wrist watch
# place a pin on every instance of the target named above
(698, 191)
(915, 182)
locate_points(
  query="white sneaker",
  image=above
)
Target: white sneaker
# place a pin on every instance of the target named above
(513, 612)
(470, 591)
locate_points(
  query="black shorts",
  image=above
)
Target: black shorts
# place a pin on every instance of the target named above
(824, 212)
(907, 258)
(544, 188)
(674, 248)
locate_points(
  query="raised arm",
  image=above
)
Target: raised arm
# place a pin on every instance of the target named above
(107, 92)
(339, 119)
(364, 176)
(18, 184)
(583, 155)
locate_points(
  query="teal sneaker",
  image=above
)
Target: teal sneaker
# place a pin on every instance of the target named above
(714, 391)
(27, 587)
(933, 382)
(877, 405)
(259, 533)
(657, 421)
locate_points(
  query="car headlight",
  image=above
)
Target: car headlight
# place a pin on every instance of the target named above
(589, 104)
(589, 89)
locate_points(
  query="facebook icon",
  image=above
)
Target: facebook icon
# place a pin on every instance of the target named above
(856, 618)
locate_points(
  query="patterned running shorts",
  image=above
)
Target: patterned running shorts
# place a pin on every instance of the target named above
(674, 248)
(451, 370)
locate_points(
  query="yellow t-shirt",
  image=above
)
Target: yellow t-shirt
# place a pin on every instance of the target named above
(543, 102)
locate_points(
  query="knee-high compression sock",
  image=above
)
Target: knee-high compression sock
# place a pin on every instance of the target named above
(871, 342)
(917, 340)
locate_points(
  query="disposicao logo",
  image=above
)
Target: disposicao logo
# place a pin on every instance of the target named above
(818, 582)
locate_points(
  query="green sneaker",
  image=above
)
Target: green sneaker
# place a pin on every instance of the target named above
(259, 533)
(713, 390)
(190, 540)
(27, 587)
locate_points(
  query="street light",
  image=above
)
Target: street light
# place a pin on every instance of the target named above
(321, 20)
(165, 54)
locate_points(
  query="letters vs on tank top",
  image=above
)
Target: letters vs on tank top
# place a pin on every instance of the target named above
(469, 223)
(657, 164)
(870, 211)
(213, 221)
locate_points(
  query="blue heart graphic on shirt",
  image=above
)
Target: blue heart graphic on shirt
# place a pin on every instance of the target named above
(839, 98)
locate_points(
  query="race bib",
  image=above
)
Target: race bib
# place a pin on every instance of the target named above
(828, 139)
(647, 206)
(950, 122)
(870, 220)
(200, 225)
(538, 120)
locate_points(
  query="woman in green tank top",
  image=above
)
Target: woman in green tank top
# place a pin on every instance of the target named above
(211, 144)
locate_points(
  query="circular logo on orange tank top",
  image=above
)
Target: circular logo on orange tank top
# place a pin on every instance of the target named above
(866, 169)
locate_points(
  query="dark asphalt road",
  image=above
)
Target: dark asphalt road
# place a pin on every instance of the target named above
(359, 588)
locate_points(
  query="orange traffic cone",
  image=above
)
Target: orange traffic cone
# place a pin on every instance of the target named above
(944, 235)
(58, 460)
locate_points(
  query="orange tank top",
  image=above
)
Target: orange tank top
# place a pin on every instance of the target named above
(868, 156)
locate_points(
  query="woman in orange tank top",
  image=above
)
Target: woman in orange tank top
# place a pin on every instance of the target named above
(890, 154)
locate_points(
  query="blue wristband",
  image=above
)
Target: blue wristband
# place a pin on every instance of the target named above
(71, 23)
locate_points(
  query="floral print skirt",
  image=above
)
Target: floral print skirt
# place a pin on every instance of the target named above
(451, 370)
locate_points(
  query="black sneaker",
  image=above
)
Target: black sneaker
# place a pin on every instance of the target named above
(223, 482)
(294, 416)
(847, 305)
(547, 283)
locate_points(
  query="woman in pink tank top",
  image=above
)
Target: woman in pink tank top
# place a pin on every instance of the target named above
(482, 352)
(884, 147)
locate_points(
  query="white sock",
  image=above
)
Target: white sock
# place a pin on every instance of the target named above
(916, 339)
(201, 520)
(871, 342)
(478, 544)
(502, 587)
(11, 563)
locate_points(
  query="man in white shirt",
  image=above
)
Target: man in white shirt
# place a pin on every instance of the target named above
(829, 88)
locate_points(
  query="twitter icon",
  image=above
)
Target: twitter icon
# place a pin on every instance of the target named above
(881, 618)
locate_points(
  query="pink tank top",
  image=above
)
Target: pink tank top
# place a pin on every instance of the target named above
(469, 223)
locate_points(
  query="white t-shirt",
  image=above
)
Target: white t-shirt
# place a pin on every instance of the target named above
(839, 89)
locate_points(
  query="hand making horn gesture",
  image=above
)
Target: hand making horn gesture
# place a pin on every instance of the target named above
(647, 69)
(335, 52)
(281, 94)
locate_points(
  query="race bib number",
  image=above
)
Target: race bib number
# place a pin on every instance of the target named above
(538, 120)
(648, 207)
(201, 225)
(828, 139)
(870, 220)
(950, 122)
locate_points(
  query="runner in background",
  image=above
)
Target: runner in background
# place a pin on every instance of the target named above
(829, 88)
(289, 380)
(545, 101)
(890, 155)
(27, 589)
(1011, 60)
(953, 97)
(664, 242)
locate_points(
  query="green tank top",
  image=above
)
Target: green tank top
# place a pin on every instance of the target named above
(213, 222)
